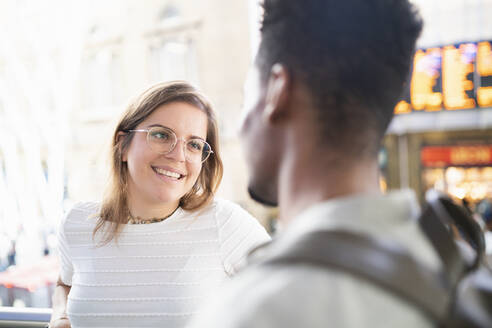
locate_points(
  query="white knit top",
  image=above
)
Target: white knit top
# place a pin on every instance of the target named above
(156, 274)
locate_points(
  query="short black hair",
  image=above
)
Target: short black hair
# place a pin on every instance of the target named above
(353, 55)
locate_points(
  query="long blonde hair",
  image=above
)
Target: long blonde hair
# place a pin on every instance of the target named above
(114, 209)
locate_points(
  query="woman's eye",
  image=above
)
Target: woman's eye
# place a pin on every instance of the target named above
(195, 145)
(161, 135)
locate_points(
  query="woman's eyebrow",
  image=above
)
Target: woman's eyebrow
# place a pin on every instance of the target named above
(158, 125)
(163, 126)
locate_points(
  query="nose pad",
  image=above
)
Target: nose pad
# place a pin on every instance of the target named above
(178, 152)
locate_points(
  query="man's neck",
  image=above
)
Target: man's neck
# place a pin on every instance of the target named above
(306, 181)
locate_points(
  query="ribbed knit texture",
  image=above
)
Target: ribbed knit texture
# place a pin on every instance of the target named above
(157, 274)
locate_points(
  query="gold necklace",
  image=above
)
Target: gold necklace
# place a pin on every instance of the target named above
(139, 220)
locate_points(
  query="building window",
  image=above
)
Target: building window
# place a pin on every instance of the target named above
(102, 79)
(173, 59)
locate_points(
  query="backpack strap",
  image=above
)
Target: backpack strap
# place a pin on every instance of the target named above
(433, 221)
(440, 214)
(382, 263)
(470, 282)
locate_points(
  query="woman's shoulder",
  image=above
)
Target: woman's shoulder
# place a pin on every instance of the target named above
(225, 211)
(239, 232)
(82, 213)
(224, 207)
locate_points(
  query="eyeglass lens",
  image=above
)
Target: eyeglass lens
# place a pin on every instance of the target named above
(163, 140)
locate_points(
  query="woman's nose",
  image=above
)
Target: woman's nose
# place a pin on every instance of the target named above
(178, 152)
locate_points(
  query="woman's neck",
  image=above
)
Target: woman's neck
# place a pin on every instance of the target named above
(147, 211)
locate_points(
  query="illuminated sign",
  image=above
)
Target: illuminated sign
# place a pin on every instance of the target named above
(484, 70)
(438, 156)
(450, 78)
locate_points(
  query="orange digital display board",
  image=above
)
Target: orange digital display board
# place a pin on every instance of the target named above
(441, 156)
(484, 70)
(450, 78)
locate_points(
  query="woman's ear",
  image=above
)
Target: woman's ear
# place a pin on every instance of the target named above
(119, 143)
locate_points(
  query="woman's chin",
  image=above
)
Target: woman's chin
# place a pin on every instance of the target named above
(167, 199)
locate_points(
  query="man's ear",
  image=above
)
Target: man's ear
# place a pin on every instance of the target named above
(277, 93)
(119, 143)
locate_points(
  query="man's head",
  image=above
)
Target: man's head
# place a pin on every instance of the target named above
(351, 58)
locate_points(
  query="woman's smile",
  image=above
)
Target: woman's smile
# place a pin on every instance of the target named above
(167, 172)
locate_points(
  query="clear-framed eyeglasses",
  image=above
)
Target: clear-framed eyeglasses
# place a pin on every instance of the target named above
(163, 140)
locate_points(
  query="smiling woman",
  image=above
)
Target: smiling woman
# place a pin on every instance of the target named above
(173, 105)
(159, 243)
(160, 173)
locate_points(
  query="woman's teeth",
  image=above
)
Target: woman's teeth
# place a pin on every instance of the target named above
(167, 173)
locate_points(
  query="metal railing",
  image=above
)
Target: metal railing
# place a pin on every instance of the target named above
(14, 317)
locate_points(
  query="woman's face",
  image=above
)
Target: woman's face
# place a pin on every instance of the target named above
(152, 176)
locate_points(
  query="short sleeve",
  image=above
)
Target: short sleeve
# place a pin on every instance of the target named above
(239, 233)
(66, 267)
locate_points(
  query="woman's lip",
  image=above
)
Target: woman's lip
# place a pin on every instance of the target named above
(166, 177)
(168, 168)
